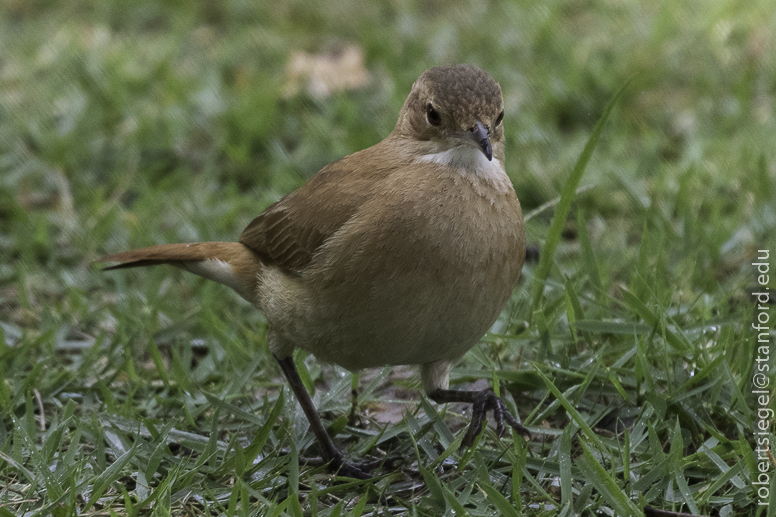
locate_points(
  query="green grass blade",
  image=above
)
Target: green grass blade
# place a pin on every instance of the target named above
(612, 327)
(110, 474)
(566, 494)
(653, 320)
(499, 501)
(567, 198)
(18, 466)
(156, 356)
(606, 484)
(572, 411)
(588, 255)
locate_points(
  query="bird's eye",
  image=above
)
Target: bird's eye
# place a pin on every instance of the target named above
(432, 115)
(499, 118)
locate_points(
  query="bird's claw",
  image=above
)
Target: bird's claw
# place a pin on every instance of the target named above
(484, 401)
(341, 467)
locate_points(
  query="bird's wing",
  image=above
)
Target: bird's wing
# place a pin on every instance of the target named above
(288, 233)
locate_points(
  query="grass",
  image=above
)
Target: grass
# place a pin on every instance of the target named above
(153, 393)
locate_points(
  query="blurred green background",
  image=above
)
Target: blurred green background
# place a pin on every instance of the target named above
(160, 111)
(126, 124)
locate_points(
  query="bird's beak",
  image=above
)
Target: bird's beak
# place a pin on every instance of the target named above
(480, 135)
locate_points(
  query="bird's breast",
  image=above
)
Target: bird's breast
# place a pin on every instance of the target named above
(418, 274)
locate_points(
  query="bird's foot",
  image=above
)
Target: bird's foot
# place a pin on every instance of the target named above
(484, 401)
(341, 467)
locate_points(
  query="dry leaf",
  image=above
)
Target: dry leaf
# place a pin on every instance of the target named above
(326, 73)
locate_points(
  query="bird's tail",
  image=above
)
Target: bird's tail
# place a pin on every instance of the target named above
(229, 263)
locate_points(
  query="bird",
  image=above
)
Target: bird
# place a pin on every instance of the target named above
(403, 253)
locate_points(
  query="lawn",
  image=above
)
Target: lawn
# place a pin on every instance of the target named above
(627, 350)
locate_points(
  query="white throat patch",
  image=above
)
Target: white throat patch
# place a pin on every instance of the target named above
(468, 158)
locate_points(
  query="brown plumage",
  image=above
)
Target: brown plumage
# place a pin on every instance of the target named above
(403, 253)
(202, 258)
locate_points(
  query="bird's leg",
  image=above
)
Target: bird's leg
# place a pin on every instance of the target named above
(331, 454)
(353, 398)
(482, 402)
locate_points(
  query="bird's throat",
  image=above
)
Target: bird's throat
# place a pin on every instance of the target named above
(467, 159)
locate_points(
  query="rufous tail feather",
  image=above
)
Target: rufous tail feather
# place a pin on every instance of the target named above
(229, 263)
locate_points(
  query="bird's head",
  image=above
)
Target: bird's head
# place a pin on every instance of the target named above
(455, 109)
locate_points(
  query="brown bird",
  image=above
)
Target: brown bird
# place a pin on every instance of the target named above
(403, 253)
